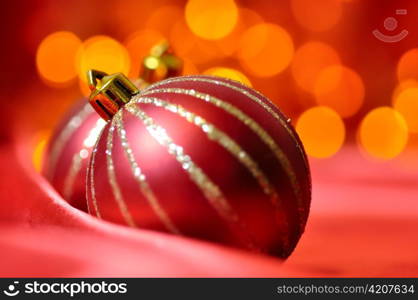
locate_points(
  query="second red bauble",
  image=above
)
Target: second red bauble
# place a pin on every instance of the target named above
(204, 157)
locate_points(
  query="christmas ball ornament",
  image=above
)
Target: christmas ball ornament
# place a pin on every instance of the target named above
(69, 149)
(199, 156)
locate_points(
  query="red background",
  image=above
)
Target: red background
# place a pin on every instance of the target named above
(364, 213)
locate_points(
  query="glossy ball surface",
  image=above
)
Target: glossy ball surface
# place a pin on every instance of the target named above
(204, 157)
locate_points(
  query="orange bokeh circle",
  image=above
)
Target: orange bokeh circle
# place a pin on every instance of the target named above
(309, 60)
(102, 53)
(407, 104)
(318, 15)
(408, 65)
(211, 20)
(340, 88)
(266, 49)
(56, 57)
(229, 44)
(402, 86)
(383, 133)
(161, 19)
(321, 130)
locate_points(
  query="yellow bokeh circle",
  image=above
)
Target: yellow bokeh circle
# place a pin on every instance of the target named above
(213, 19)
(102, 53)
(383, 133)
(265, 49)
(321, 130)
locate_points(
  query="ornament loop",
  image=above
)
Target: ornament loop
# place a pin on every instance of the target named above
(109, 92)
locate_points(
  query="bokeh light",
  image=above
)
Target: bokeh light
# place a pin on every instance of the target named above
(102, 53)
(125, 16)
(383, 133)
(318, 15)
(186, 44)
(56, 57)
(161, 19)
(182, 39)
(402, 86)
(408, 65)
(340, 88)
(265, 49)
(229, 44)
(407, 104)
(211, 19)
(321, 130)
(139, 45)
(228, 73)
(309, 60)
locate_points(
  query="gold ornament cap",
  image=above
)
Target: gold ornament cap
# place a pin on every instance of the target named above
(109, 92)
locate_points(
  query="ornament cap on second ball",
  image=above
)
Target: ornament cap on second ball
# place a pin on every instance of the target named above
(204, 157)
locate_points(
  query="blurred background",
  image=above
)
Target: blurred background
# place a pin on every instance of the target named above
(344, 71)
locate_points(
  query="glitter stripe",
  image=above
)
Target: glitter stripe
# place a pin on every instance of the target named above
(117, 194)
(248, 121)
(90, 171)
(242, 91)
(141, 178)
(72, 173)
(74, 123)
(215, 134)
(211, 191)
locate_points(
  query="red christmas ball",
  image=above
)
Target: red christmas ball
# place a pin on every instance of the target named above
(204, 157)
(66, 159)
(69, 149)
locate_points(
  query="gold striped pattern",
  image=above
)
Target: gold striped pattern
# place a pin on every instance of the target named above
(252, 124)
(90, 170)
(78, 158)
(284, 123)
(72, 173)
(140, 178)
(74, 123)
(211, 191)
(117, 194)
(215, 134)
